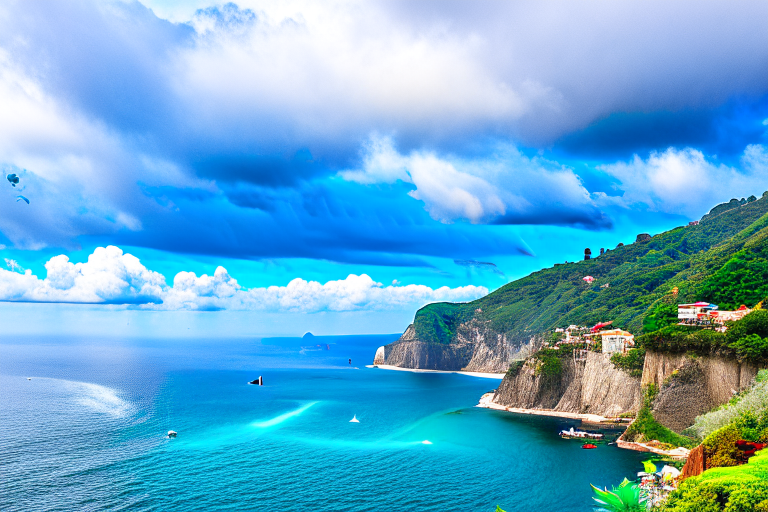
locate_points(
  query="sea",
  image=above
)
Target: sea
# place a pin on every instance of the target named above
(84, 423)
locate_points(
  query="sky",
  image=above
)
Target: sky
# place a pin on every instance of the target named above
(277, 167)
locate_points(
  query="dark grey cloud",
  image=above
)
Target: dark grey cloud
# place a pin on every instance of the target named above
(225, 135)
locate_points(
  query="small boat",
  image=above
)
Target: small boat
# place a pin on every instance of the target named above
(257, 382)
(29, 378)
(589, 446)
(354, 419)
(426, 442)
(579, 434)
(172, 433)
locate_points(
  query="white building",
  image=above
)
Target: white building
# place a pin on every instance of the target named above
(616, 340)
(693, 312)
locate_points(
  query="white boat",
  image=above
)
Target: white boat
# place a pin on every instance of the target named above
(354, 419)
(579, 434)
(172, 433)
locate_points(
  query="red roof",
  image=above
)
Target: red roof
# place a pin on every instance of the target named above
(600, 325)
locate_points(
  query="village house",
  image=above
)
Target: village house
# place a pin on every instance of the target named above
(616, 340)
(706, 313)
(694, 313)
(725, 316)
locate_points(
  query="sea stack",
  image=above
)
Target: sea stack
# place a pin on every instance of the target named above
(379, 357)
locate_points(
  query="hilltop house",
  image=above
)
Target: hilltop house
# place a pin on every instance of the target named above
(616, 340)
(724, 316)
(706, 313)
(692, 313)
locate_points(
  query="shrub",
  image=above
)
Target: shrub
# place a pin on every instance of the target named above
(754, 323)
(752, 401)
(751, 348)
(631, 363)
(514, 368)
(721, 448)
(548, 365)
(733, 489)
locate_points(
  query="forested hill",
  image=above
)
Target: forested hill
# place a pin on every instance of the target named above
(723, 259)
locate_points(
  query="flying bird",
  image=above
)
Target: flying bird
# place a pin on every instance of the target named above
(22, 198)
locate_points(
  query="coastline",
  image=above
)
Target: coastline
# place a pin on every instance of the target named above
(483, 375)
(487, 403)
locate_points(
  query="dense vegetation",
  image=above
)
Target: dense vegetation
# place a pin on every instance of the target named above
(746, 339)
(631, 362)
(731, 489)
(724, 259)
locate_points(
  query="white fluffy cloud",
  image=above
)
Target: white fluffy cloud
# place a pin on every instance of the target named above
(113, 277)
(506, 184)
(685, 181)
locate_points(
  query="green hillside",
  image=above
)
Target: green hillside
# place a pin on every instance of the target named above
(724, 260)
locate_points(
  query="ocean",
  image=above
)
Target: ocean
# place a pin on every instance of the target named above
(88, 431)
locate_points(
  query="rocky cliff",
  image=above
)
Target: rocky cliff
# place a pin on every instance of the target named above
(476, 348)
(593, 386)
(688, 386)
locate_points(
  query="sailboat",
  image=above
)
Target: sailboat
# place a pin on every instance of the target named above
(354, 419)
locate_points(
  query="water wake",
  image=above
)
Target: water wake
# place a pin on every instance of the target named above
(96, 397)
(283, 417)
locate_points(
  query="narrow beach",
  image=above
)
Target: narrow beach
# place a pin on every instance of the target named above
(484, 375)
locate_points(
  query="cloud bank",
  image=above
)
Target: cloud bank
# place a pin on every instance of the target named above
(223, 131)
(685, 181)
(112, 277)
(506, 187)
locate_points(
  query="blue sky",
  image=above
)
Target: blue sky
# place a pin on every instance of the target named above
(334, 166)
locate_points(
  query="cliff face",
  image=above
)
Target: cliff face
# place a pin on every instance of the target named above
(593, 386)
(690, 386)
(476, 348)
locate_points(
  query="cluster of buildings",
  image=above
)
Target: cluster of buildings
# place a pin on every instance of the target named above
(612, 340)
(618, 340)
(708, 315)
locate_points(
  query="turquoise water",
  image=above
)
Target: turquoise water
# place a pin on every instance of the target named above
(88, 432)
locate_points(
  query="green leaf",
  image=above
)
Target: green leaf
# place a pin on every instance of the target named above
(649, 467)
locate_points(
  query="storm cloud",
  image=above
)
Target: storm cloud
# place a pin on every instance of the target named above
(382, 132)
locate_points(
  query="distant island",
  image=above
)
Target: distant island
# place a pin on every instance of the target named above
(667, 335)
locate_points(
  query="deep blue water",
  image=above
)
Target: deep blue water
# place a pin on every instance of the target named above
(88, 432)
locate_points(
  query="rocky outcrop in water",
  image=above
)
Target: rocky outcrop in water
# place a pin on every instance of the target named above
(476, 348)
(593, 386)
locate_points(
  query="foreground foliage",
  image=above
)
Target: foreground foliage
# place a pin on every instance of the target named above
(730, 489)
(627, 497)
